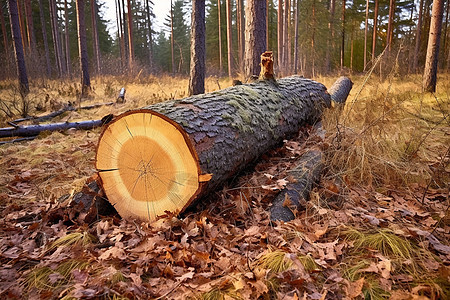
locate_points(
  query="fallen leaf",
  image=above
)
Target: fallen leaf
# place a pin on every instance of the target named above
(354, 289)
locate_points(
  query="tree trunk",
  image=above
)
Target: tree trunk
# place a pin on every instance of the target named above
(374, 36)
(130, 36)
(330, 42)
(121, 34)
(343, 35)
(5, 38)
(56, 40)
(220, 37)
(82, 46)
(444, 42)
(30, 27)
(255, 36)
(18, 47)
(95, 39)
(418, 37)
(66, 35)
(390, 25)
(22, 27)
(195, 144)
(172, 38)
(44, 37)
(150, 38)
(267, 25)
(296, 38)
(366, 29)
(229, 40)
(198, 48)
(280, 35)
(240, 33)
(431, 63)
(313, 40)
(285, 36)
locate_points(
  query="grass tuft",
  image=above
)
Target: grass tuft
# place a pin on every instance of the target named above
(72, 239)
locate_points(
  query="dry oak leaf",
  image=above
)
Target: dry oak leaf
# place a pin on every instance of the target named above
(354, 289)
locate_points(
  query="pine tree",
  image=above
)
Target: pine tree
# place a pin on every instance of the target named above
(82, 45)
(255, 36)
(198, 48)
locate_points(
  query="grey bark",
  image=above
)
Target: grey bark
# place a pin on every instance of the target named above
(255, 36)
(18, 47)
(198, 48)
(233, 127)
(82, 46)
(431, 63)
(340, 90)
(44, 37)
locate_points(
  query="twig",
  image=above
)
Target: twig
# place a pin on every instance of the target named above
(30, 138)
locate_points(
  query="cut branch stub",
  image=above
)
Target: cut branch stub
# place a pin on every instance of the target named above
(147, 165)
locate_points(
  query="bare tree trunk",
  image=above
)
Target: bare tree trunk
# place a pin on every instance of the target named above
(172, 39)
(125, 33)
(313, 37)
(95, 40)
(30, 27)
(280, 35)
(22, 27)
(82, 46)
(374, 36)
(351, 47)
(267, 25)
(255, 36)
(120, 33)
(66, 35)
(130, 36)
(366, 29)
(285, 34)
(296, 12)
(229, 40)
(343, 35)
(55, 35)
(240, 33)
(5, 39)
(330, 43)
(418, 36)
(431, 63)
(150, 38)
(18, 47)
(198, 48)
(44, 37)
(444, 44)
(220, 36)
(390, 25)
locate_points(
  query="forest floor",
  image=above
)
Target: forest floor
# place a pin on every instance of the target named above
(377, 225)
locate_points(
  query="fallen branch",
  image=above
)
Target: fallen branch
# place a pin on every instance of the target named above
(33, 130)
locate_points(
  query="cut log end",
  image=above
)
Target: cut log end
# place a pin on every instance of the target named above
(147, 165)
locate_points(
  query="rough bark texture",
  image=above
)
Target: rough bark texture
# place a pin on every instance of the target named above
(434, 38)
(198, 48)
(340, 89)
(234, 126)
(255, 36)
(82, 46)
(229, 40)
(18, 47)
(306, 172)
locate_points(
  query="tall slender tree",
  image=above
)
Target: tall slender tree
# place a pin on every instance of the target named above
(229, 40)
(330, 40)
(66, 37)
(220, 36)
(56, 38)
(130, 36)
(82, 46)
(296, 12)
(418, 36)
(240, 32)
(343, 35)
(390, 24)
(95, 40)
(5, 38)
(22, 26)
(375, 28)
(150, 34)
(366, 29)
(255, 35)
(44, 38)
(18, 47)
(172, 38)
(286, 21)
(30, 27)
(434, 37)
(198, 48)
(280, 34)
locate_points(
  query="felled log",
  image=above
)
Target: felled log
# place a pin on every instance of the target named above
(164, 156)
(34, 130)
(340, 89)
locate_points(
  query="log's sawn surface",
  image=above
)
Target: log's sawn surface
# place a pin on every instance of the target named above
(233, 127)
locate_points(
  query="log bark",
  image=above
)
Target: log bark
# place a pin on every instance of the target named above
(33, 130)
(224, 131)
